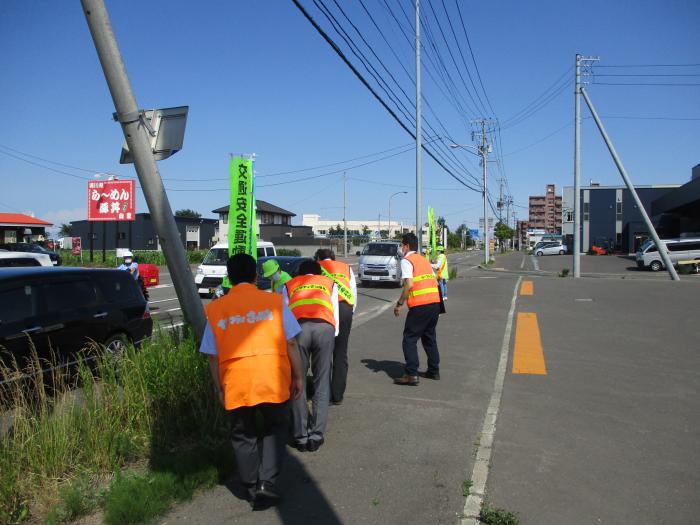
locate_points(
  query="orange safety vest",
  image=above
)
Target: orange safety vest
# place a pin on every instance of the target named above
(340, 273)
(310, 297)
(251, 346)
(425, 286)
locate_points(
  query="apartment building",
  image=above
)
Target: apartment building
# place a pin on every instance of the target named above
(545, 211)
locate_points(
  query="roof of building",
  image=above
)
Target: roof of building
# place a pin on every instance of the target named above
(263, 206)
(20, 219)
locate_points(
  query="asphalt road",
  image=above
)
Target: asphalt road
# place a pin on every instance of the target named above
(565, 401)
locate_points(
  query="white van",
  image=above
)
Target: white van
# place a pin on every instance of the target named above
(212, 271)
(678, 250)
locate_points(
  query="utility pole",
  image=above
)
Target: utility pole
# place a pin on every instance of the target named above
(136, 135)
(484, 149)
(345, 219)
(585, 62)
(419, 147)
(500, 200)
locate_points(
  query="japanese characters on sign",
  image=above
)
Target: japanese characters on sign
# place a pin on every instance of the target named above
(111, 200)
(242, 235)
(75, 242)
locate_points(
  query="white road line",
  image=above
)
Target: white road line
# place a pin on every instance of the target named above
(160, 286)
(480, 473)
(522, 264)
(163, 300)
(535, 262)
(165, 311)
(375, 312)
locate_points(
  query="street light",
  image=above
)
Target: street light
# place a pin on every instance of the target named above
(482, 151)
(391, 197)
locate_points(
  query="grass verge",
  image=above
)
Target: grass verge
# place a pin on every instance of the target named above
(151, 406)
(494, 516)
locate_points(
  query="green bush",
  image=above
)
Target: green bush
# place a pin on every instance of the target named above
(141, 256)
(453, 273)
(152, 403)
(494, 516)
(288, 252)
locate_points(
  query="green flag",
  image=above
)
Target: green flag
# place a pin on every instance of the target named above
(242, 234)
(432, 231)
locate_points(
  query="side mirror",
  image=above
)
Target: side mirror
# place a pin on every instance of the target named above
(357, 252)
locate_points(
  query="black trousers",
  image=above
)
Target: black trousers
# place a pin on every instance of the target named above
(259, 457)
(339, 375)
(421, 323)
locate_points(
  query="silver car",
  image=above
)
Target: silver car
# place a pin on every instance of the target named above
(550, 248)
(380, 262)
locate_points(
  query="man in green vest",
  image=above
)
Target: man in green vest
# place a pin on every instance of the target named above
(271, 270)
(441, 271)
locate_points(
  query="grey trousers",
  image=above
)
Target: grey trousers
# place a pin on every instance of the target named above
(316, 342)
(259, 457)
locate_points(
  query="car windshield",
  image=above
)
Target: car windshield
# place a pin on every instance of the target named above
(216, 257)
(380, 249)
(646, 245)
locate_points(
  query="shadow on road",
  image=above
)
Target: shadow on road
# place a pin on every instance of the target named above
(375, 297)
(303, 502)
(393, 369)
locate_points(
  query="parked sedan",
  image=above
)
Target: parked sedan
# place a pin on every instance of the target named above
(551, 248)
(61, 311)
(32, 248)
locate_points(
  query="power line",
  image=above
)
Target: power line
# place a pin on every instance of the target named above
(647, 65)
(679, 84)
(647, 74)
(361, 78)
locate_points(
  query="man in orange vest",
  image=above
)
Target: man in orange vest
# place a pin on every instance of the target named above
(344, 279)
(313, 299)
(256, 368)
(420, 291)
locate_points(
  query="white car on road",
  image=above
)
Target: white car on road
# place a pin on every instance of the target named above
(550, 248)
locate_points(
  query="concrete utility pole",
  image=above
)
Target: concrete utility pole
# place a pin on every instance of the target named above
(136, 135)
(345, 220)
(659, 245)
(484, 151)
(419, 147)
(585, 62)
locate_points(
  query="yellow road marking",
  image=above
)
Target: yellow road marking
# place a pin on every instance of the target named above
(528, 357)
(527, 288)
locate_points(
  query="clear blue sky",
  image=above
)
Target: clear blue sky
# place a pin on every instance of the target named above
(258, 78)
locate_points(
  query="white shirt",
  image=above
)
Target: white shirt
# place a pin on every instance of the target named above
(406, 267)
(353, 285)
(334, 302)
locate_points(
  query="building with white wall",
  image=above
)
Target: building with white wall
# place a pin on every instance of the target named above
(321, 226)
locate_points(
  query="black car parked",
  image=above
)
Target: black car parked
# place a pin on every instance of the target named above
(287, 264)
(32, 248)
(64, 310)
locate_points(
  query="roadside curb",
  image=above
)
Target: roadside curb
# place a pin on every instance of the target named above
(543, 273)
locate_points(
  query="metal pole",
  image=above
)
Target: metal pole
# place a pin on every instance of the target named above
(390, 217)
(345, 219)
(483, 151)
(659, 245)
(419, 147)
(577, 171)
(104, 240)
(136, 137)
(92, 240)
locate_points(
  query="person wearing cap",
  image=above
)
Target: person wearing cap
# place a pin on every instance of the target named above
(130, 265)
(420, 292)
(250, 341)
(440, 267)
(313, 299)
(278, 277)
(344, 278)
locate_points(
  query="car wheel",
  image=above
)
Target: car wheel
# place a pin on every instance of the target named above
(365, 284)
(116, 344)
(655, 266)
(561, 252)
(539, 253)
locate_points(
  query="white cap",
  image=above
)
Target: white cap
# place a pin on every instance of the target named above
(127, 254)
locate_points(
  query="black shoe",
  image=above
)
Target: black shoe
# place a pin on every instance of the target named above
(406, 380)
(430, 375)
(301, 447)
(314, 444)
(266, 496)
(337, 402)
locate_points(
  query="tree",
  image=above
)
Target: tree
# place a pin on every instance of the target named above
(365, 229)
(186, 212)
(66, 230)
(454, 241)
(503, 232)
